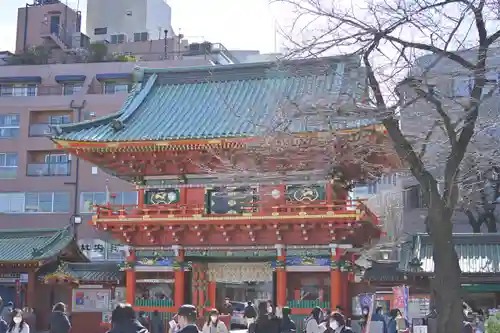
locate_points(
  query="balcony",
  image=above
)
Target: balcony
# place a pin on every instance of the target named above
(48, 169)
(351, 208)
(40, 130)
(8, 172)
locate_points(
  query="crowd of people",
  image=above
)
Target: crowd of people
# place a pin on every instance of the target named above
(13, 320)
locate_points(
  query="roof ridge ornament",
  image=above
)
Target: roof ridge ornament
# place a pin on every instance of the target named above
(117, 125)
(137, 74)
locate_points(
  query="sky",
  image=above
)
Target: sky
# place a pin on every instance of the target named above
(237, 24)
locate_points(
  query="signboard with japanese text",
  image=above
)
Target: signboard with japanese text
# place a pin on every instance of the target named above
(99, 249)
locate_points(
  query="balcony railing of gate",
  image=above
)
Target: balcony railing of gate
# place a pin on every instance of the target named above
(252, 208)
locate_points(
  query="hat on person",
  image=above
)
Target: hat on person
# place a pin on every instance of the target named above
(187, 310)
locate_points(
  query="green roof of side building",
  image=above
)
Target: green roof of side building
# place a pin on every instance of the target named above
(33, 245)
(477, 253)
(232, 101)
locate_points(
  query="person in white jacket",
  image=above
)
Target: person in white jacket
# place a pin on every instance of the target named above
(213, 324)
(17, 323)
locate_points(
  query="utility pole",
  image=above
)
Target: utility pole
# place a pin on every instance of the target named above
(76, 219)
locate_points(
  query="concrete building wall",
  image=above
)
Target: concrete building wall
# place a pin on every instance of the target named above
(127, 17)
(33, 22)
(33, 112)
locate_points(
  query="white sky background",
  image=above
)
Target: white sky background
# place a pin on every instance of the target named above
(237, 24)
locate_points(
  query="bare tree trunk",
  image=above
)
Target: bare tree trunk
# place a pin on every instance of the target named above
(446, 282)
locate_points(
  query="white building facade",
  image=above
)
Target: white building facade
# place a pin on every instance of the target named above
(121, 21)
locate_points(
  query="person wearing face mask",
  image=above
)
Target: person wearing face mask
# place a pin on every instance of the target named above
(17, 324)
(213, 324)
(186, 319)
(337, 324)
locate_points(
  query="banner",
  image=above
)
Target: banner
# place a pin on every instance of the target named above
(401, 299)
(367, 300)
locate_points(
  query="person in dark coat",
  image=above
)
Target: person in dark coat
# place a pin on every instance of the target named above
(3, 323)
(186, 319)
(6, 311)
(226, 308)
(59, 321)
(123, 320)
(250, 311)
(143, 319)
(287, 324)
(157, 324)
(266, 322)
(378, 316)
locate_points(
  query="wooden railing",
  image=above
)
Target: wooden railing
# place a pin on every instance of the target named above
(112, 211)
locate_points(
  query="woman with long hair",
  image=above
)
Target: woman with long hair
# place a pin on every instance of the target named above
(213, 324)
(17, 323)
(124, 319)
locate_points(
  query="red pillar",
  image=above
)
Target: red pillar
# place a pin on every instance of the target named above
(335, 278)
(130, 278)
(212, 293)
(140, 198)
(179, 278)
(281, 282)
(30, 301)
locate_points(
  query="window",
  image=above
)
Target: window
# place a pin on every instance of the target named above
(118, 39)
(12, 202)
(8, 165)
(113, 88)
(89, 199)
(89, 115)
(8, 90)
(413, 197)
(462, 86)
(141, 36)
(58, 120)
(9, 125)
(35, 202)
(56, 158)
(72, 88)
(8, 160)
(100, 31)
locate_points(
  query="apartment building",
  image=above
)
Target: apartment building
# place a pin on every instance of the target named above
(41, 187)
(452, 85)
(123, 21)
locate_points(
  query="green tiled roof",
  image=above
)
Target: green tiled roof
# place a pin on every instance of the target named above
(33, 245)
(95, 271)
(224, 101)
(477, 253)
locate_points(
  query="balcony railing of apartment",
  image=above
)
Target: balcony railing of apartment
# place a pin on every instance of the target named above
(8, 172)
(48, 169)
(41, 129)
(253, 208)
